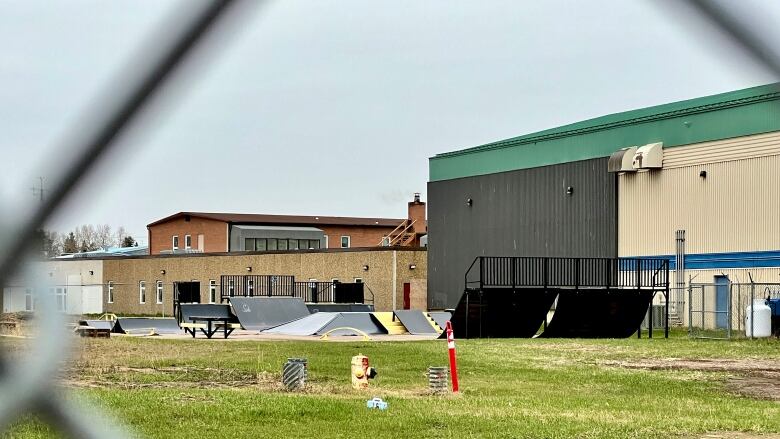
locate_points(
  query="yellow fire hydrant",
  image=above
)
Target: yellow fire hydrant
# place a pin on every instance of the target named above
(361, 371)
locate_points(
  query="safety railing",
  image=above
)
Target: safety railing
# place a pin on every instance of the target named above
(286, 286)
(551, 272)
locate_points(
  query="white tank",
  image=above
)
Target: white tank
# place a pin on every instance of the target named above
(760, 315)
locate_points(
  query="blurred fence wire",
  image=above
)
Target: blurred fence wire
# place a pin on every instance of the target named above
(28, 386)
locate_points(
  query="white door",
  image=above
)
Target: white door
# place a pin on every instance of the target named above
(92, 299)
(74, 295)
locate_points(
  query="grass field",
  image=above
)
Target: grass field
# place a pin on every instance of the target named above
(510, 388)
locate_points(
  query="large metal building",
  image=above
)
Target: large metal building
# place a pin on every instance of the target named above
(620, 185)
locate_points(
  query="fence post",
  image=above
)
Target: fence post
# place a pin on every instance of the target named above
(728, 311)
(690, 309)
(752, 308)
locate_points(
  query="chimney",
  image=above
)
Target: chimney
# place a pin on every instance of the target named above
(417, 214)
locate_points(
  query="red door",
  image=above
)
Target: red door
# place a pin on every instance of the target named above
(407, 295)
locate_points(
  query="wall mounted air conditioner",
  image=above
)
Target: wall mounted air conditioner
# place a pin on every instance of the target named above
(650, 156)
(622, 160)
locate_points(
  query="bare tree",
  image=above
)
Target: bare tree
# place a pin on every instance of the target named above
(86, 237)
(103, 236)
(120, 235)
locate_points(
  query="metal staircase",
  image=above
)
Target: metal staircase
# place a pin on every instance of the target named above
(402, 236)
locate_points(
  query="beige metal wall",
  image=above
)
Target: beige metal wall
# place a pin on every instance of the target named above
(735, 208)
(381, 277)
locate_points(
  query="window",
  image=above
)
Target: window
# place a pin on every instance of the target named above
(110, 292)
(28, 300)
(231, 287)
(345, 242)
(282, 244)
(314, 244)
(260, 244)
(212, 291)
(358, 280)
(175, 242)
(62, 298)
(187, 242)
(293, 244)
(385, 241)
(272, 244)
(250, 287)
(142, 292)
(249, 244)
(159, 295)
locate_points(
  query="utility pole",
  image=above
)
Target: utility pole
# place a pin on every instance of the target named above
(39, 191)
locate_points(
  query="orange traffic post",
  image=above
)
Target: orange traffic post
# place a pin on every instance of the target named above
(453, 359)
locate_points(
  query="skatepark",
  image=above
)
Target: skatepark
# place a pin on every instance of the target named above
(253, 318)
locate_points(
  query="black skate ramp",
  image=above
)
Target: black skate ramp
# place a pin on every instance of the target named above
(502, 312)
(261, 313)
(598, 313)
(136, 325)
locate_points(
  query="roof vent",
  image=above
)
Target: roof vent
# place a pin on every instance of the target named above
(622, 160)
(650, 156)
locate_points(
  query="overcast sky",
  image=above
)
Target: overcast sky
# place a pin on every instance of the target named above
(330, 107)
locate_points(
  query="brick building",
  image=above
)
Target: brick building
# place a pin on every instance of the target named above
(206, 232)
(394, 278)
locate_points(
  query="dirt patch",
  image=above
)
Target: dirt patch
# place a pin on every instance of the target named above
(14, 324)
(706, 365)
(755, 378)
(737, 435)
(762, 385)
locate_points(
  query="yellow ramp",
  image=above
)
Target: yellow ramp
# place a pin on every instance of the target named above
(388, 321)
(433, 323)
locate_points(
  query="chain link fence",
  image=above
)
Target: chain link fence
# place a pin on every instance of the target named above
(28, 384)
(28, 376)
(723, 310)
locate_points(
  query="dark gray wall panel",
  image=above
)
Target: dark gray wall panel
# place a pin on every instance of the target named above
(518, 213)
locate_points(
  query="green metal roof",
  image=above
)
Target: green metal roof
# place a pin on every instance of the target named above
(721, 116)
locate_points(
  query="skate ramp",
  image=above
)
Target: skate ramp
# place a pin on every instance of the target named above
(261, 313)
(598, 314)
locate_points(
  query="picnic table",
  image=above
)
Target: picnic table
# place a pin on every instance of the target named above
(211, 326)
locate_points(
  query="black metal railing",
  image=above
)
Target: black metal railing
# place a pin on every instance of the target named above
(544, 272)
(286, 286)
(249, 285)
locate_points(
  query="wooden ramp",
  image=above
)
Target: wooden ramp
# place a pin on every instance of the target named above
(390, 323)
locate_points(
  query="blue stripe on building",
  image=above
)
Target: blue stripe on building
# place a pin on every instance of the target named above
(703, 261)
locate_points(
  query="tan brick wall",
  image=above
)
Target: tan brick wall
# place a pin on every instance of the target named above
(419, 294)
(215, 234)
(359, 236)
(323, 265)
